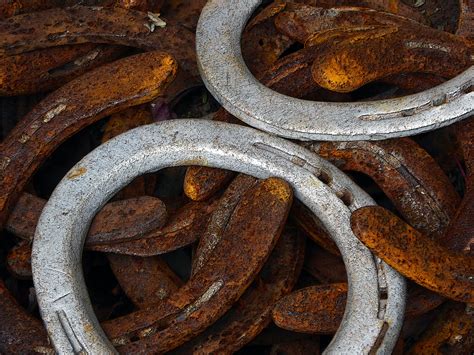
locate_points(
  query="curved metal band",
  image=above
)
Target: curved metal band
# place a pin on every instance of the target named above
(229, 80)
(371, 319)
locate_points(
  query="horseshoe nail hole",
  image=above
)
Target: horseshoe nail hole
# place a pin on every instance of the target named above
(134, 338)
(468, 89)
(261, 42)
(324, 177)
(440, 101)
(383, 294)
(345, 196)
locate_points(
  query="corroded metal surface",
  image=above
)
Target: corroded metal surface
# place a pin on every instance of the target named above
(82, 24)
(71, 108)
(316, 309)
(406, 173)
(247, 145)
(253, 310)
(414, 255)
(117, 221)
(218, 42)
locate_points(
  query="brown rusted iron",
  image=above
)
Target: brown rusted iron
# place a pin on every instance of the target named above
(200, 182)
(108, 89)
(212, 291)
(406, 173)
(19, 331)
(312, 227)
(466, 19)
(460, 236)
(299, 22)
(184, 227)
(146, 281)
(252, 312)
(219, 219)
(323, 266)
(349, 59)
(16, 7)
(319, 309)
(414, 255)
(421, 301)
(262, 44)
(81, 24)
(316, 310)
(127, 219)
(79, 103)
(452, 332)
(19, 261)
(397, 7)
(47, 69)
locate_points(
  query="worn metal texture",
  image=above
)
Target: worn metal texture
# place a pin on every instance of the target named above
(229, 269)
(183, 228)
(82, 24)
(117, 221)
(19, 261)
(369, 321)
(415, 255)
(13, 321)
(219, 219)
(348, 59)
(466, 19)
(397, 7)
(316, 309)
(201, 183)
(452, 332)
(406, 173)
(146, 281)
(252, 312)
(47, 69)
(227, 77)
(79, 103)
(460, 234)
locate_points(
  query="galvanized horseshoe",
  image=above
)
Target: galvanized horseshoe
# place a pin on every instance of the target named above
(225, 74)
(376, 298)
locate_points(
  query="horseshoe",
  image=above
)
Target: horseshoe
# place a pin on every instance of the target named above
(228, 79)
(374, 312)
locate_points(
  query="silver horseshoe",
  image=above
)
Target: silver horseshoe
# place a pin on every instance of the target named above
(376, 297)
(226, 76)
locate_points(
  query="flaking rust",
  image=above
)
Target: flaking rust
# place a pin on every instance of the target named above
(452, 332)
(183, 228)
(299, 21)
(145, 280)
(405, 172)
(220, 218)
(76, 105)
(81, 24)
(316, 309)
(235, 262)
(349, 59)
(414, 255)
(252, 312)
(14, 321)
(47, 69)
(119, 220)
(460, 236)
